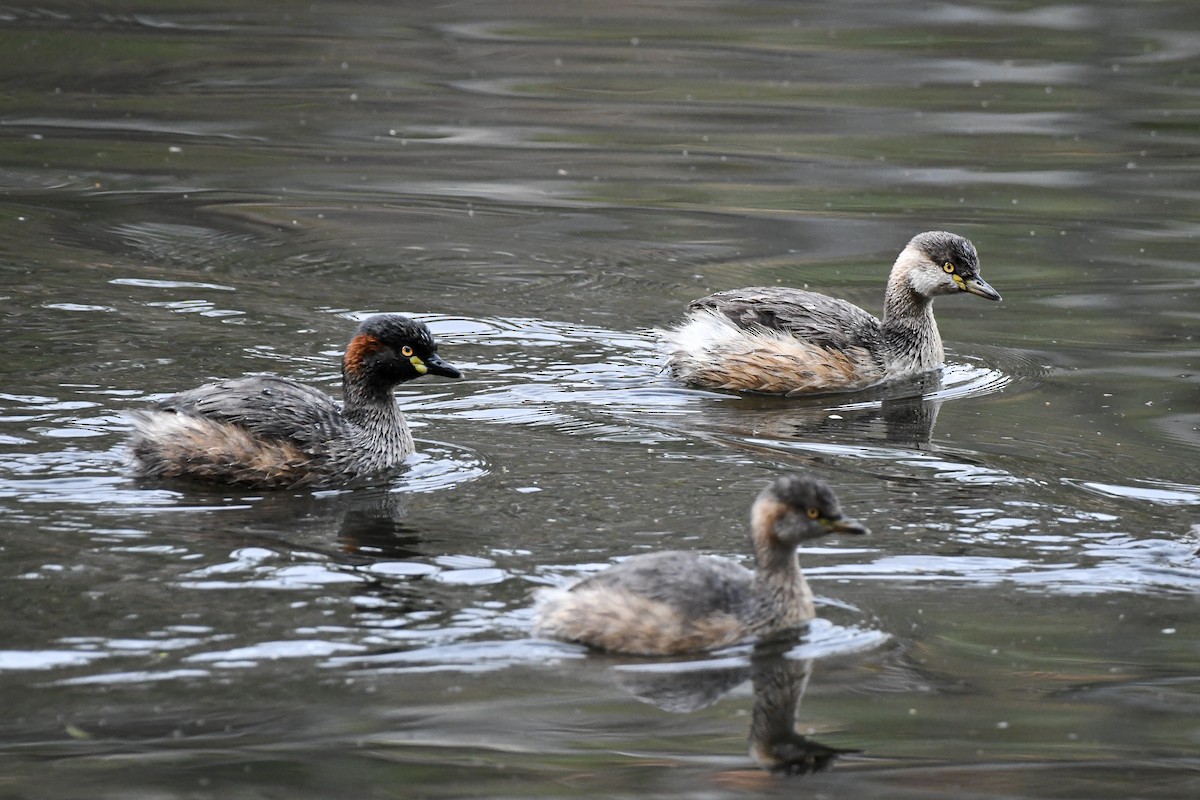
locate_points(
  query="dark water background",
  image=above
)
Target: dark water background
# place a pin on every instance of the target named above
(196, 190)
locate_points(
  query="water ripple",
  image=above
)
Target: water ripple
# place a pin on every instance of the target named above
(1105, 564)
(1156, 492)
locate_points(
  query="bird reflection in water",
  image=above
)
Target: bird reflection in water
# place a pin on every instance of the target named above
(902, 414)
(367, 524)
(778, 684)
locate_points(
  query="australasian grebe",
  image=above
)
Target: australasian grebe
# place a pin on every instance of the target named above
(778, 340)
(680, 602)
(274, 432)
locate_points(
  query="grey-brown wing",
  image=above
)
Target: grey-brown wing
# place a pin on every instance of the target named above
(272, 407)
(813, 317)
(694, 584)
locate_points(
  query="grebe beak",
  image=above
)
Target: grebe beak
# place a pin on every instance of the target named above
(437, 366)
(847, 525)
(978, 286)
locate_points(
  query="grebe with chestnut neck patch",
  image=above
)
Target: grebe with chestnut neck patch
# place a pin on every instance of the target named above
(268, 432)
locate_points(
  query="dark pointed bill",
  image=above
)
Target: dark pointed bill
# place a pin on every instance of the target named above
(438, 366)
(847, 525)
(978, 286)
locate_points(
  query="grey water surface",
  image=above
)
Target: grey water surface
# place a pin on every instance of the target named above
(212, 189)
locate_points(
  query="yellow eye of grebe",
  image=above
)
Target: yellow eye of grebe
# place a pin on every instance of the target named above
(948, 267)
(406, 350)
(813, 513)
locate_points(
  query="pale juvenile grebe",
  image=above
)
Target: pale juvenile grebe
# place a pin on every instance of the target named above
(679, 602)
(779, 340)
(274, 432)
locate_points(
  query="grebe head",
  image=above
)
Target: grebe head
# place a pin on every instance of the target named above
(388, 349)
(937, 262)
(796, 508)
